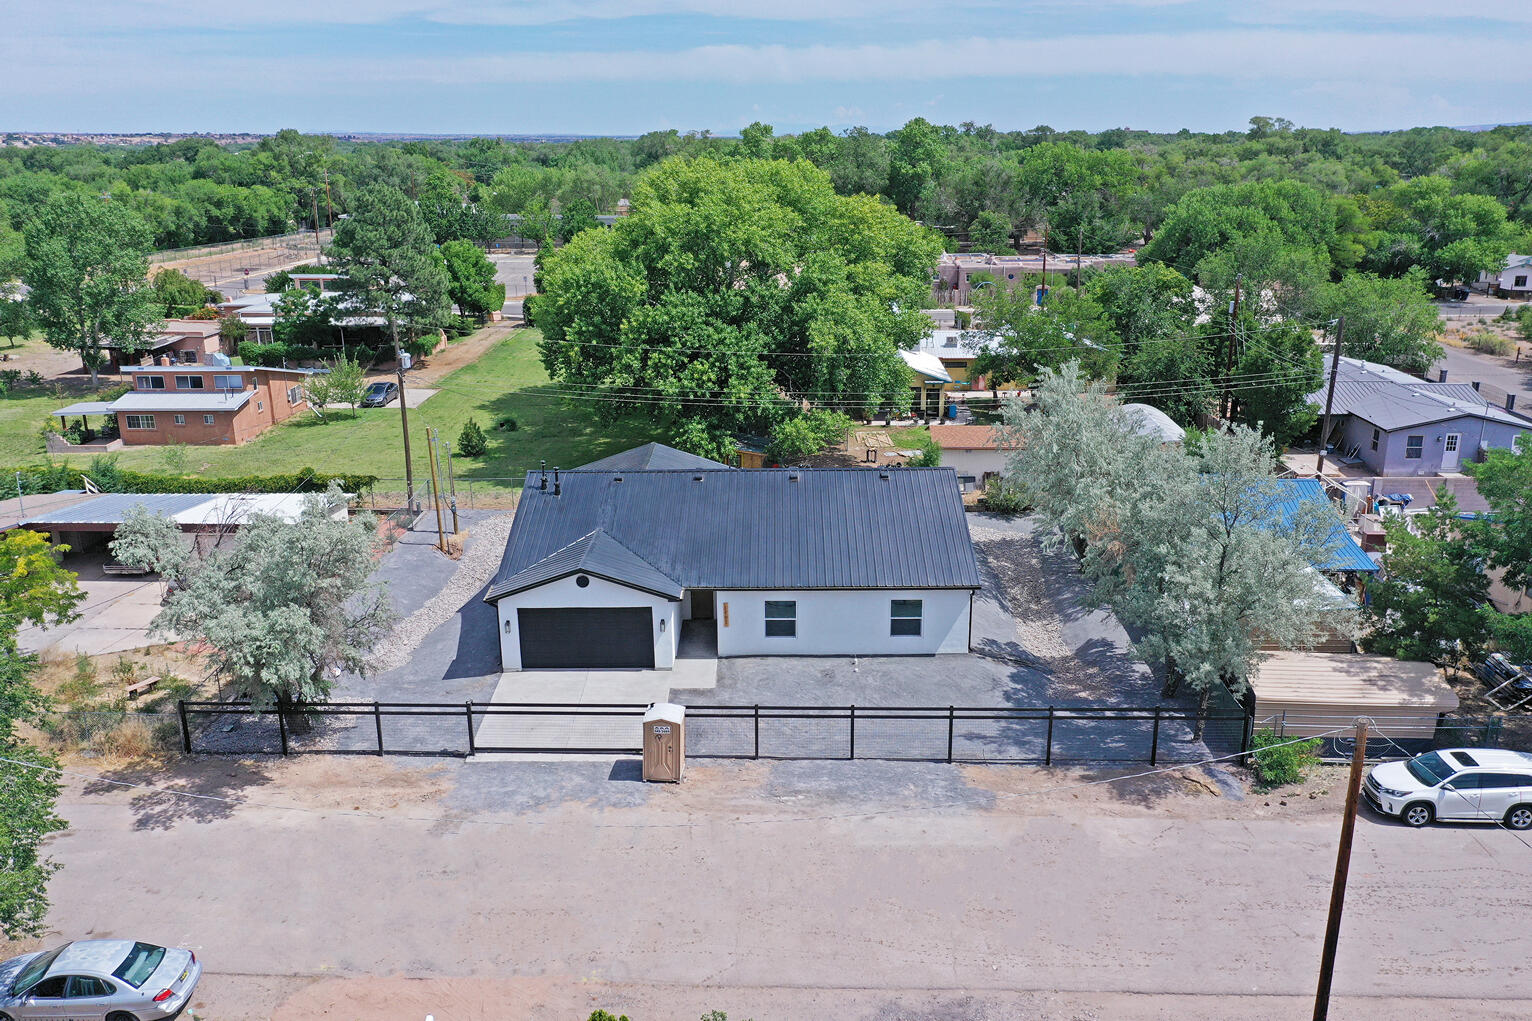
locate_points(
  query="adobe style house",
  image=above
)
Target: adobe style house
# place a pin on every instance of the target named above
(603, 568)
(1399, 425)
(208, 404)
(175, 342)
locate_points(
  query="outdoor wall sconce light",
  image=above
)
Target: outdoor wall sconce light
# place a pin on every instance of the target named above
(662, 625)
(507, 626)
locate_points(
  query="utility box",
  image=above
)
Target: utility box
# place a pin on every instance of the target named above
(664, 743)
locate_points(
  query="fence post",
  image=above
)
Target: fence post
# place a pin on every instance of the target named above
(951, 719)
(468, 709)
(1048, 755)
(185, 730)
(1247, 731)
(853, 732)
(1154, 741)
(757, 731)
(282, 727)
(377, 719)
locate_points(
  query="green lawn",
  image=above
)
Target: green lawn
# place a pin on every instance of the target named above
(508, 381)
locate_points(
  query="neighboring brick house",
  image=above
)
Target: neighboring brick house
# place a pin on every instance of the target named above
(176, 341)
(200, 405)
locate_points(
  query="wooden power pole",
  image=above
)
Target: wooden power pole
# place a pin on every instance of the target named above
(436, 488)
(1226, 403)
(1324, 430)
(1342, 868)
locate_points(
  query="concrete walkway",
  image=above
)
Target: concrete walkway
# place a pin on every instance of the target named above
(696, 666)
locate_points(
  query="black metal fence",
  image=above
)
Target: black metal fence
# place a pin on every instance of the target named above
(1043, 735)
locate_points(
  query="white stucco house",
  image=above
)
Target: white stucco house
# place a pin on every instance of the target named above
(604, 567)
(974, 452)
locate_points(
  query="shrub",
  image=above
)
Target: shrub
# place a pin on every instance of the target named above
(930, 455)
(1486, 342)
(1278, 762)
(807, 434)
(1000, 498)
(204, 313)
(507, 423)
(471, 442)
(51, 478)
(10, 379)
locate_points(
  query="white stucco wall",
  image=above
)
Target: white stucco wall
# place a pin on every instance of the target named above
(842, 622)
(974, 462)
(565, 592)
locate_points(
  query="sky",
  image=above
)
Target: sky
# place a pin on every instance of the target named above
(624, 67)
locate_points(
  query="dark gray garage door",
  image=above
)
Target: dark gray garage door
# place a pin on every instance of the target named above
(593, 637)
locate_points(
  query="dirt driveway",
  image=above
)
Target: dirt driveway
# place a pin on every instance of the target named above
(377, 888)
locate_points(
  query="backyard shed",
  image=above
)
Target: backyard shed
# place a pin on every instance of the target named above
(1304, 694)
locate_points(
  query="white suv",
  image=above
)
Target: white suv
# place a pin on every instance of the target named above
(1456, 784)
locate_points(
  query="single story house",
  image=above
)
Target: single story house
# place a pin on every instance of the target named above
(211, 404)
(1399, 425)
(1513, 281)
(975, 452)
(174, 342)
(650, 456)
(1345, 555)
(89, 521)
(929, 379)
(602, 568)
(957, 350)
(1304, 694)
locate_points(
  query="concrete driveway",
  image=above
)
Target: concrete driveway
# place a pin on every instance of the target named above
(114, 617)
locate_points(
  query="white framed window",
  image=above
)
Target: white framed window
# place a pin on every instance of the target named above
(781, 618)
(207, 419)
(904, 616)
(190, 383)
(228, 383)
(294, 393)
(180, 420)
(1413, 446)
(260, 405)
(151, 382)
(139, 421)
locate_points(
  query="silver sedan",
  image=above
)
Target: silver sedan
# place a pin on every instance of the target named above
(99, 980)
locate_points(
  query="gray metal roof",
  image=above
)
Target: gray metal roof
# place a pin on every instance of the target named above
(596, 553)
(1392, 400)
(650, 455)
(112, 508)
(771, 528)
(156, 400)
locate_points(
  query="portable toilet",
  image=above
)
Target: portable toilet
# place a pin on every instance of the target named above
(664, 743)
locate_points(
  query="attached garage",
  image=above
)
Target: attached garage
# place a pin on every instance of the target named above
(1303, 694)
(586, 637)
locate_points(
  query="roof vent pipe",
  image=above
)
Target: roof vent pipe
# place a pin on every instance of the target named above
(556, 485)
(542, 477)
(883, 475)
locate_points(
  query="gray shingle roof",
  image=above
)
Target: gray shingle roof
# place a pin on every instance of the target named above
(1392, 400)
(595, 553)
(773, 528)
(650, 455)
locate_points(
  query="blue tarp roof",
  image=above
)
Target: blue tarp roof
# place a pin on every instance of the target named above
(1346, 554)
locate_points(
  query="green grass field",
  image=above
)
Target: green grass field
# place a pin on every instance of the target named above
(508, 381)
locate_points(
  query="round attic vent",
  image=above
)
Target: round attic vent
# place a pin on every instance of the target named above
(582, 580)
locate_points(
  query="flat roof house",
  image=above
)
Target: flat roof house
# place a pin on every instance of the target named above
(603, 567)
(174, 342)
(202, 404)
(1399, 425)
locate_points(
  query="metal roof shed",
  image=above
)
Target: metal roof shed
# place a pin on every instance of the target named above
(1304, 694)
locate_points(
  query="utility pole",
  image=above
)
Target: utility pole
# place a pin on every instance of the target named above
(318, 245)
(329, 210)
(1342, 867)
(404, 423)
(1078, 248)
(1324, 430)
(451, 486)
(1042, 295)
(436, 489)
(1226, 404)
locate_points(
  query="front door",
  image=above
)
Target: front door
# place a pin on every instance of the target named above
(702, 604)
(1452, 453)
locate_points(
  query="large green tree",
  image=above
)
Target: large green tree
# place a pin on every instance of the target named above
(34, 589)
(1071, 327)
(1422, 222)
(1388, 320)
(391, 265)
(471, 279)
(86, 264)
(1504, 538)
(734, 291)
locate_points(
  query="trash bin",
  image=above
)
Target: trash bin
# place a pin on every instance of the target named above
(664, 743)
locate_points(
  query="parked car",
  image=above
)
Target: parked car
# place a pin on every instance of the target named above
(107, 979)
(1455, 784)
(379, 394)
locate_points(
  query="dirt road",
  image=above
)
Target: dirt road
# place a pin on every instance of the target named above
(859, 890)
